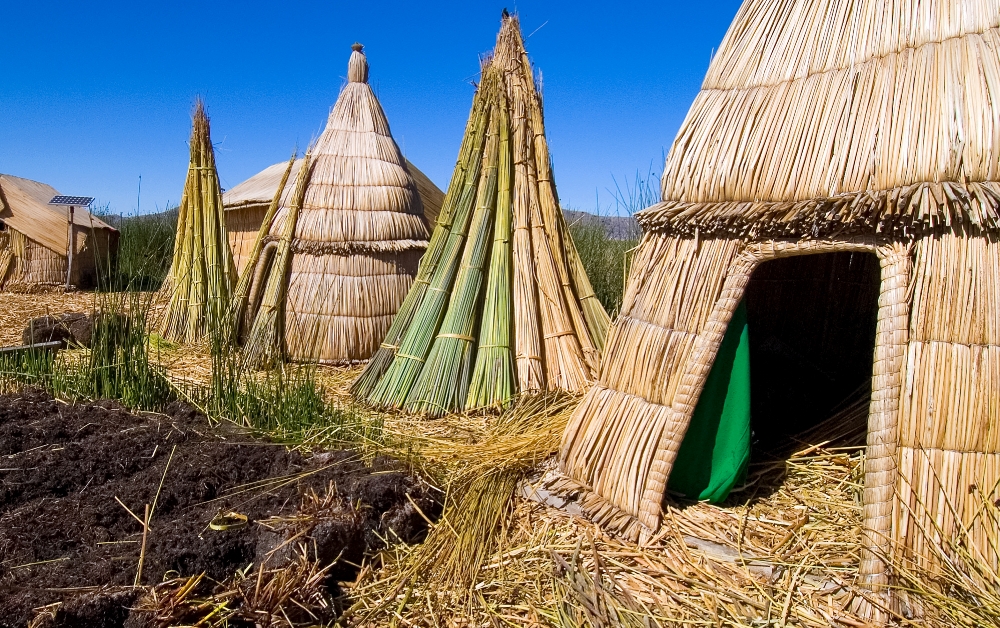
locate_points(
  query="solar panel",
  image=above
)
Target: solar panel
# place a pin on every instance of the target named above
(78, 201)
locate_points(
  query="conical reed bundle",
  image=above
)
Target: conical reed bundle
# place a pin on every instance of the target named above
(202, 272)
(501, 304)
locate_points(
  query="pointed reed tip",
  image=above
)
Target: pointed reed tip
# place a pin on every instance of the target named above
(357, 67)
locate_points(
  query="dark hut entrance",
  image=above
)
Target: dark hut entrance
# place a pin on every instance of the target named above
(812, 321)
(794, 369)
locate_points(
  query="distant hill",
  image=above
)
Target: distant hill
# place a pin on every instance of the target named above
(617, 227)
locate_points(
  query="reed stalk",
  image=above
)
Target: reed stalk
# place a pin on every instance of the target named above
(393, 388)
(362, 387)
(265, 342)
(442, 386)
(493, 376)
(241, 295)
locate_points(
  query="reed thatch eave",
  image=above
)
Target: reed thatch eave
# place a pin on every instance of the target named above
(902, 212)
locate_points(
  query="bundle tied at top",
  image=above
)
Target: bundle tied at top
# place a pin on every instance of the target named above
(202, 272)
(501, 304)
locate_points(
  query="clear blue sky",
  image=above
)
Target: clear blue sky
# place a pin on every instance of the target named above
(94, 95)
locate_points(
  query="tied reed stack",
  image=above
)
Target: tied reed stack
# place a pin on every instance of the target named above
(336, 253)
(202, 272)
(826, 127)
(501, 303)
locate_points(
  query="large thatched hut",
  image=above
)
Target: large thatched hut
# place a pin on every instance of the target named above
(247, 203)
(35, 239)
(838, 176)
(343, 248)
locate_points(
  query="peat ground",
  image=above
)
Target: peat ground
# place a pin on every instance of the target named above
(65, 539)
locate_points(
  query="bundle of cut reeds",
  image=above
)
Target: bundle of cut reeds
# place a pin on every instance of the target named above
(202, 272)
(265, 342)
(501, 303)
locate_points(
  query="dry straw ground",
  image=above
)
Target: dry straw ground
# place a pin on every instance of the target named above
(784, 551)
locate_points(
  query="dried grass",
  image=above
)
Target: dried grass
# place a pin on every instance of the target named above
(20, 307)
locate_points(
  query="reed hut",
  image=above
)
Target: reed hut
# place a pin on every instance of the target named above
(502, 304)
(837, 174)
(35, 239)
(341, 254)
(247, 203)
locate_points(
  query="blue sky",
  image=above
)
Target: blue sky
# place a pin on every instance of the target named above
(96, 94)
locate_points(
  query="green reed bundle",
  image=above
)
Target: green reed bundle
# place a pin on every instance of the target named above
(241, 295)
(443, 382)
(496, 308)
(493, 377)
(265, 341)
(383, 358)
(394, 386)
(202, 271)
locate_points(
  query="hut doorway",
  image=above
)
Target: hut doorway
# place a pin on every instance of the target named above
(812, 323)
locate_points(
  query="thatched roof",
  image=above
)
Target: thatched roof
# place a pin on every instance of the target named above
(258, 190)
(827, 117)
(24, 206)
(359, 191)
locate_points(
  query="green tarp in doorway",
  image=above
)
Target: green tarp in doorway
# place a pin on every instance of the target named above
(714, 454)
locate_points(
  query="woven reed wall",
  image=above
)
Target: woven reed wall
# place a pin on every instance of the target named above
(611, 442)
(949, 429)
(242, 225)
(339, 307)
(620, 444)
(36, 264)
(33, 264)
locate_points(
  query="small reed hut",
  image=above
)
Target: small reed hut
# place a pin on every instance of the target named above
(502, 303)
(35, 239)
(247, 203)
(839, 174)
(341, 252)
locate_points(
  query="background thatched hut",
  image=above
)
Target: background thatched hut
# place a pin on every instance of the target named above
(342, 254)
(247, 202)
(34, 238)
(867, 133)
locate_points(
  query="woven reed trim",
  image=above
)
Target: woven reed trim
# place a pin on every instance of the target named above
(354, 247)
(891, 338)
(904, 211)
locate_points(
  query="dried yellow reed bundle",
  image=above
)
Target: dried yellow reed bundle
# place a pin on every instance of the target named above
(241, 295)
(480, 478)
(265, 341)
(538, 323)
(202, 272)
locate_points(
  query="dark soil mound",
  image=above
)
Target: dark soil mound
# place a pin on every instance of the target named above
(64, 536)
